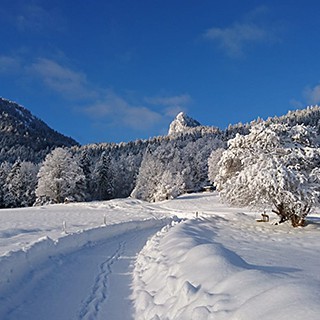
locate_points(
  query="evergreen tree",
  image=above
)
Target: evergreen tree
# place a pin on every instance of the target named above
(85, 162)
(104, 178)
(5, 169)
(21, 184)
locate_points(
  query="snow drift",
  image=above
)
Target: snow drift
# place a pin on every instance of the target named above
(183, 272)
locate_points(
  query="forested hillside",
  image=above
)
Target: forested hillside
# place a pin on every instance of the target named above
(153, 170)
(25, 137)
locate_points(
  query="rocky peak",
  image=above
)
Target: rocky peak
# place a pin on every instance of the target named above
(181, 123)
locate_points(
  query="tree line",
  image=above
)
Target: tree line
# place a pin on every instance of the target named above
(264, 163)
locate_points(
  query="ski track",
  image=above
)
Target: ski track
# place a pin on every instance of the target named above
(100, 292)
(89, 278)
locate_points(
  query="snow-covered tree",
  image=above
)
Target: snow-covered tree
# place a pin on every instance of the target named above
(5, 169)
(148, 178)
(160, 175)
(126, 168)
(104, 178)
(170, 186)
(60, 177)
(85, 163)
(21, 182)
(275, 165)
(213, 168)
(195, 161)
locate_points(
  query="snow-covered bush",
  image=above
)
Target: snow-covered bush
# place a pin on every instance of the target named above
(275, 165)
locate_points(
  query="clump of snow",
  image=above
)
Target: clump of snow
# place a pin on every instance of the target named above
(181, 123)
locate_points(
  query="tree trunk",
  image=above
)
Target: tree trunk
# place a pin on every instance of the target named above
(297, 221)
(285, 215)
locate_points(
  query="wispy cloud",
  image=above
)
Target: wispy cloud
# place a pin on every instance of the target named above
(173, 104)
(309, 96)
(9, 65)
(98, 104)
(102, 107)
(235, 39)
(65, 81)
(312, 94)
(115, 107)
(29, 16)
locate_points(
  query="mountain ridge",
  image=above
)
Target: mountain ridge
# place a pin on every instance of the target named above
(26, 137)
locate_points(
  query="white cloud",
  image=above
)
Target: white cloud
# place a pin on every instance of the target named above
(102, 107)
(141, 118)
(183, 99)
(114, 107)
(312, 95)
(173, 104)
(235, 38)
(67, 82)
(296, 104)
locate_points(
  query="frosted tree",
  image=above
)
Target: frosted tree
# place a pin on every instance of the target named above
(170, 186)
(60, 177)
(195, 161)
(148, 178)
(274, 165)
(85, 163)
(161, 175)
(126, 168)
(21, 182)
(5, 169)
(213, 168)
(104, 178)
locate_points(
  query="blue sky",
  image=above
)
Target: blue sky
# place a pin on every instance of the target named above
(119, 70)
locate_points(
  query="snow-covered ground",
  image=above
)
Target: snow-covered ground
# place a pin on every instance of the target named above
(126, 259)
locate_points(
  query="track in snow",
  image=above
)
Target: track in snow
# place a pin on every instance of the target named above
(99, 293)
(92, 283)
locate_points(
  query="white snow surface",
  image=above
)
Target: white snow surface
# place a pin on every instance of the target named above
(127, 259)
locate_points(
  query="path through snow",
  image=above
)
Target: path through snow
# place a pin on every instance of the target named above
(223, 265)
(86, 278)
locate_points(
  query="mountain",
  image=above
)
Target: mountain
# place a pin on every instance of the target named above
(23, 136)
(181, 123)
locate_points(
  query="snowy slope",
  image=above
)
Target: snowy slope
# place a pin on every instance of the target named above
(221, 265)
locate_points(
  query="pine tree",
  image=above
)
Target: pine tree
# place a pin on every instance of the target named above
(104, 178)
(5, 169)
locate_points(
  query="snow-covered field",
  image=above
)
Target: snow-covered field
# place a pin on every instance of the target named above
(126, 259)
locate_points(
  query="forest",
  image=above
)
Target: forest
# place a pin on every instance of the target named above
(277, 156)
